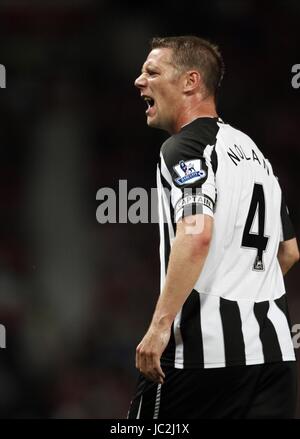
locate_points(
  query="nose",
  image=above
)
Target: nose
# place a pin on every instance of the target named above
(140, 82)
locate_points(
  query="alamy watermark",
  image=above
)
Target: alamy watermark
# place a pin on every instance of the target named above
(296, 336)
(117, 206)
(296, 78)
(2, 76)
(2, 337)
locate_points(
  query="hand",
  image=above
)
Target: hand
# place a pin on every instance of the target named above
(149, 351)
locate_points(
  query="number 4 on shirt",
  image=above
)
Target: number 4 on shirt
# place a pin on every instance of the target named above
(256, 240)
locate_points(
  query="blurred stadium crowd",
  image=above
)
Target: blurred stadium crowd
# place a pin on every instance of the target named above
(76, 296)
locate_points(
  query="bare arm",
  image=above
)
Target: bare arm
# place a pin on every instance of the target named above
(288, 254)
(186, 261)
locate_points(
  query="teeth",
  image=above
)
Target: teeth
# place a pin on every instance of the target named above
(149, 101)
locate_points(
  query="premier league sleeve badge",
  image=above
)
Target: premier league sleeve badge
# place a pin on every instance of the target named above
(189, 171)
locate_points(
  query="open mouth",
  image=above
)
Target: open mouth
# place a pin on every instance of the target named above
(149, 102)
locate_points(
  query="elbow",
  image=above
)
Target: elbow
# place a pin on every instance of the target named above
(296, 257)
(293, 255)
(200, 246)
(288, 252)
(195, 234)
(292, 258)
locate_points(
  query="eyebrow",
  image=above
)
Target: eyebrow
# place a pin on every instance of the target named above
(149, 64)
(145, 66)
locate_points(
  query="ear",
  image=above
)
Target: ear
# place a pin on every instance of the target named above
(192, 80)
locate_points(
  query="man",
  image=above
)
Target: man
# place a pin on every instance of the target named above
(219, 344)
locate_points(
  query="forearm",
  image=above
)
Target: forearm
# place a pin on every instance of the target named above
(184, 268)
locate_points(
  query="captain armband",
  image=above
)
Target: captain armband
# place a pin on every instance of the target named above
(193, 204)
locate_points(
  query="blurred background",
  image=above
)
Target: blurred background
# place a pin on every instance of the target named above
(76, 296)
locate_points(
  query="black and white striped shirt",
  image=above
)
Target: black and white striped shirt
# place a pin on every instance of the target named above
(237, 312)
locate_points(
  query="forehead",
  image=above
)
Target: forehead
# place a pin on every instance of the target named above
(159, 57)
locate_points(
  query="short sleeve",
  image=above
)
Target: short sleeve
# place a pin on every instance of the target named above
(189, 166)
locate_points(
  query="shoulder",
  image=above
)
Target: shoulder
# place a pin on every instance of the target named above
(172, 145)
(192, 139)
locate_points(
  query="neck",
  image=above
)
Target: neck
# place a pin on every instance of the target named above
(194, 109)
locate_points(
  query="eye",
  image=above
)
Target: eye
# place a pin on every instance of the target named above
(152, 72)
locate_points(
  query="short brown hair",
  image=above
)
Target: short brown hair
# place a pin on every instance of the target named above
(194, 52)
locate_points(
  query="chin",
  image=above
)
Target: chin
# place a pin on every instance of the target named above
(152, 123)
(155, 123)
